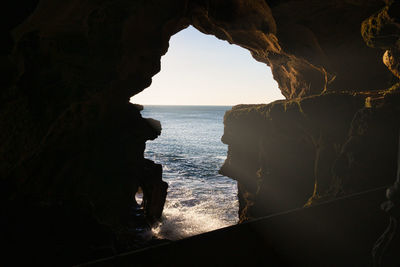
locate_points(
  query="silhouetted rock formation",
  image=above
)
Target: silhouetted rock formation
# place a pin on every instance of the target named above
(316, 238)
(293, 153)
(383, 30)
(70, 137)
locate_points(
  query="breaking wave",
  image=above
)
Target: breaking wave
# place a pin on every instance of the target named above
(199, 199)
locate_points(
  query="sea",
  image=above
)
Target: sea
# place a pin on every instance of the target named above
(191, 152)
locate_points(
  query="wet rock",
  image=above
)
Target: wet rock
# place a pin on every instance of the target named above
(154, 191)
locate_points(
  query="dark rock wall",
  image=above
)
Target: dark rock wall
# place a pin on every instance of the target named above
(327, 35)
(294, 153)
(299, 152)
(69, 134)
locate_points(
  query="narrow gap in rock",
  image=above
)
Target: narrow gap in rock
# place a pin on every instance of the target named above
(201, 78)
(139, 197)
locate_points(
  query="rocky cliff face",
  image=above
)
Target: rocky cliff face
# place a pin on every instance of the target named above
(294, 153)
(72, 144)
(312, 149)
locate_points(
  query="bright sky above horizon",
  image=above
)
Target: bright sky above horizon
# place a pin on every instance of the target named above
(200, 69)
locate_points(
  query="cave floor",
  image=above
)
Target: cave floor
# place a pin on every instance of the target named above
(327, 234)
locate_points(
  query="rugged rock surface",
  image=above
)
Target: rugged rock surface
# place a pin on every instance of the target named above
(69, 136)
(293, 153)
(316, 238)
(383, 30)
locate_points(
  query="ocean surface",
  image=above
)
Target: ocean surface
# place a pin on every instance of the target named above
(191, 152)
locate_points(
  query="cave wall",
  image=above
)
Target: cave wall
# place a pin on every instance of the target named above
(69, 134)
(295, 153)
(320, 147)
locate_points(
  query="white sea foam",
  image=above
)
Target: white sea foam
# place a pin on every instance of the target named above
(179, 222)
(191, 152)
(199, 206)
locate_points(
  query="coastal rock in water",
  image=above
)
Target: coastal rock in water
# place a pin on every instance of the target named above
(154, 191)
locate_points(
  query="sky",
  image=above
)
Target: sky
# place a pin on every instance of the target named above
(200, 69)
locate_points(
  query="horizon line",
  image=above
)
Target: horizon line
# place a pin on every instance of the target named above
(204, 105)
(186, 105)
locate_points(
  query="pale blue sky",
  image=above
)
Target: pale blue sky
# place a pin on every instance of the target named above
(200, 69)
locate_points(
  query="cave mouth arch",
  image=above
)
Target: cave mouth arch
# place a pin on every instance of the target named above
(198, 69)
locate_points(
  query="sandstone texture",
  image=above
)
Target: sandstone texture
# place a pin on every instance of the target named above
(290, 154)
(71, 154)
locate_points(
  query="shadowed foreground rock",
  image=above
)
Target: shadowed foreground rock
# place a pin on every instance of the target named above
(71, 154)
(329, 234)
(289, 154)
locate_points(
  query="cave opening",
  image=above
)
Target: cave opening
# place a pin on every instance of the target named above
(201, 78)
